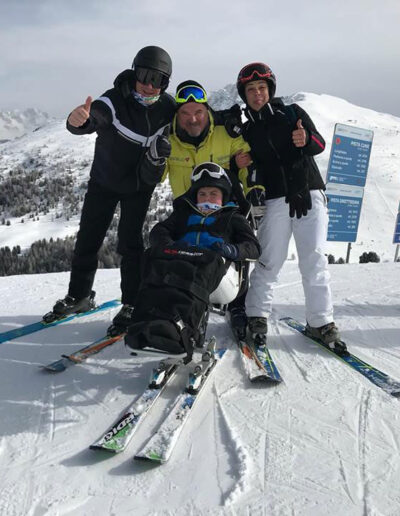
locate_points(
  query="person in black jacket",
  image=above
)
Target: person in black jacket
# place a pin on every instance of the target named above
(183, 266)
(286, 181)
(132, 122)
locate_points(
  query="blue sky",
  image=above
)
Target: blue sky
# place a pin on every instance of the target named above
(55, 53)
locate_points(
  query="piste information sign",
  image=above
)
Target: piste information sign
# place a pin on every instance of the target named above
(350, 153)
(396, 236)
(346, 178)
(344, 211)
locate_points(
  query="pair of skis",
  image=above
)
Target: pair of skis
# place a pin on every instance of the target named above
(259, 365)
(160, 446)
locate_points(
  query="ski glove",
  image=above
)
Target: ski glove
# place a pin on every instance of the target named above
(299, 203)
(159, 150)
(228, 251)
(233, 122)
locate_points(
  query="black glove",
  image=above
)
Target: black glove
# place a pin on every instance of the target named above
(299, 203)
(256, 197)
(228, 251)
(233, 123)
(160, 148)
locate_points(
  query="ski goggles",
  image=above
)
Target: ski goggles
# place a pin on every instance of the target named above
(154, 77)
(212, 170)
(192, 92)
(254, 71)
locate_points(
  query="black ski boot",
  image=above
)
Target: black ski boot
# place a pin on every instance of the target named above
(329, 336)
(239, 322)
(69, 305)
(258, 327)
(121, 321)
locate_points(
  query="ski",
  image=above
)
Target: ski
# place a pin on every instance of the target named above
(377, 377)
(40, 325)
(81, 354)
(160, 447)
(117, 438)
(256, 360)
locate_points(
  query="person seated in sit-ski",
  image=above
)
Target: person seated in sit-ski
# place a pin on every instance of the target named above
(189, 255)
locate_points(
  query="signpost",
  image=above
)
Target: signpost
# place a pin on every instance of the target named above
(346, 178)
(396, 236)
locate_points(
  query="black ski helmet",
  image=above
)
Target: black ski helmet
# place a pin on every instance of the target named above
(154, 58)
(210, 174)
(256, 72)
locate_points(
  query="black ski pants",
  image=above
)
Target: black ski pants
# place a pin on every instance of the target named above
(97, 213)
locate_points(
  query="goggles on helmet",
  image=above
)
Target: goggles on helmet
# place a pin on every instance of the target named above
(212, 170)
(153, 77)
(254, 72)
(193, 92)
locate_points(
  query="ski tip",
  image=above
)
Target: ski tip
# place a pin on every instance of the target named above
(52, 368)
(97, 447)
(150, 459)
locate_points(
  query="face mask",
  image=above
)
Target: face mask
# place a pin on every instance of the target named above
(145, 101)
(208, 206)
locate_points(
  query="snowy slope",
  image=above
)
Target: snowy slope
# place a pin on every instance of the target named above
(326, 442)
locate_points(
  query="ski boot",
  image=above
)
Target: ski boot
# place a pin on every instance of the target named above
(258, 327)
(329, 336)
(239, 322)
(121, 321)
(69, 305)
(201, 369)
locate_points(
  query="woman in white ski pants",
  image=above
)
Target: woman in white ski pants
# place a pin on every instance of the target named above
(274, 233)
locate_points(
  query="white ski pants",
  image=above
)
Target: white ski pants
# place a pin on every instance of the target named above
(310, 232)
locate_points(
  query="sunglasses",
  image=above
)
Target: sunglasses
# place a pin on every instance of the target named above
(195, 93)
(216, 173)
(254, 71)
(153, 77)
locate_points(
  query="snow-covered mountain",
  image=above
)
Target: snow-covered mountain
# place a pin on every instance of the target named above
(15, 123)
(325, 442)
(53, 151)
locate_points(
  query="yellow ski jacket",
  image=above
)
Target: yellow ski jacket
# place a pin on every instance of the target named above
(218, 147)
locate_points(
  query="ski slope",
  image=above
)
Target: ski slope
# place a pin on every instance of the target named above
(325, 442)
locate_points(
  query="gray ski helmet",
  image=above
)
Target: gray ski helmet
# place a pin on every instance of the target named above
(210, 174)
(256, 72)
(154, 58)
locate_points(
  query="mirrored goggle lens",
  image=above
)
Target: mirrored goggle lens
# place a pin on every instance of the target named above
(194, 92)
(254, 71)
(153, 77)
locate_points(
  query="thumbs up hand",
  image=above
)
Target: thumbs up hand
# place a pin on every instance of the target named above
(160, 148)
(299, 135)
(80, 114)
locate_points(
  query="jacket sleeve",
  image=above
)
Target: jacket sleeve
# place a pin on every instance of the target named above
(163, 233)
(244, 238)
(315, 143)
(100, 118)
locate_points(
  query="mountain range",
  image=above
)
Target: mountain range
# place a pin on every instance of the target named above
(50, 155)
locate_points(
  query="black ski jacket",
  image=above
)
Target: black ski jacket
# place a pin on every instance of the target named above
(125, 129)
(278, 165)
(226, 223)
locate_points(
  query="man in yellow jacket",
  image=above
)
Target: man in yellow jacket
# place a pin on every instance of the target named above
(195, 139)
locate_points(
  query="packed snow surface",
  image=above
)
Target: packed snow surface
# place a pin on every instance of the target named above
(324, 442)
